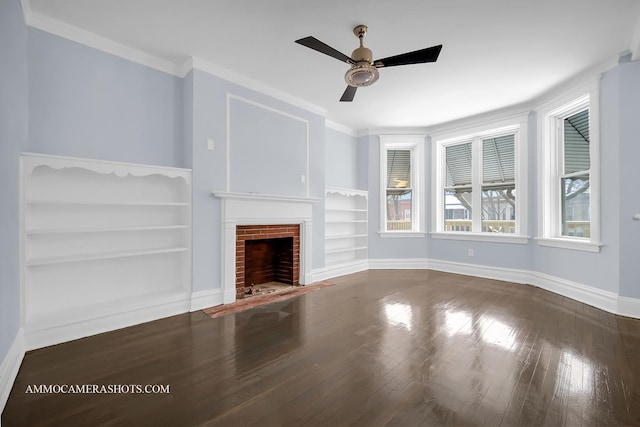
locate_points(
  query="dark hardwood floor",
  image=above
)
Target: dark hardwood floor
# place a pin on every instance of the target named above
(398, 348)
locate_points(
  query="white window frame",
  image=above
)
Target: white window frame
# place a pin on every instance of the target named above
(414, 143)
(550, 165)
(515, 125)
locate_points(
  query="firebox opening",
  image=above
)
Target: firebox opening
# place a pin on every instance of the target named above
(268, 265)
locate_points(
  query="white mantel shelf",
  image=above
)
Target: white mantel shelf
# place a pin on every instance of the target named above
(260, 196)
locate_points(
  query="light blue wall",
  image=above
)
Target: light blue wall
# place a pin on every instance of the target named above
(209, 171)
(187, 120)
(362, 176)
(87, 103)
(629, 157)
(278, 130)
(13, 139)
(341, 160)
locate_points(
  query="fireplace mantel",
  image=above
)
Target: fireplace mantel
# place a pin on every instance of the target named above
(257, 208)
(261, 196)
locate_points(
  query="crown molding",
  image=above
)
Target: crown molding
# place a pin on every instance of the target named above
(249, 83)
(635, 42)
(340, 128)
(576, 85)
(473, 124)
(393, 131)
(78, 35)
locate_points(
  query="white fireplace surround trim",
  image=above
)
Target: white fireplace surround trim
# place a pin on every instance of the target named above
(262, 209)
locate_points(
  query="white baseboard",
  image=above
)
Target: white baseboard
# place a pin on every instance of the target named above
(205, 299)
(57, 327)
(604, 300)
(10, 366)
(339, 270)
(487, 272)
(399, 264)
(629, 307)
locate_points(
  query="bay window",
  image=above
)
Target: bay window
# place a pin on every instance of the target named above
(478, 185)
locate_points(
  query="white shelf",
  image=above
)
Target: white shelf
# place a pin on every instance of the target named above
(346, 212)
(344, 236)
(350, 249)
(104, 229)
(106, 255)
(104, 204)
(99, 234)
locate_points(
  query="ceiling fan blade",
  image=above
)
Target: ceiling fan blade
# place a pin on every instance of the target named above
(421, 56)
(348, 94)
(315, 44)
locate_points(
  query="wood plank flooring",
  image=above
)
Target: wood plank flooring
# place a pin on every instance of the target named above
(396, 348)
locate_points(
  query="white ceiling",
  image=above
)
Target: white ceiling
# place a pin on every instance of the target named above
(496, 53)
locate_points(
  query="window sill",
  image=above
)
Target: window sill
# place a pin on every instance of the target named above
(574, 244)
(401, 234)
(481, 237)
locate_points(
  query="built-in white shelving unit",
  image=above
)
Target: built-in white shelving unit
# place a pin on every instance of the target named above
(105, 245)
(346, 229)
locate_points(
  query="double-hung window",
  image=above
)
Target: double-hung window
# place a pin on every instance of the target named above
(478, 187)
(401, 173)
(573, 176)
(569, 170)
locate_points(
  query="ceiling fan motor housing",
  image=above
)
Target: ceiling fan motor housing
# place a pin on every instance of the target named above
(361, 74)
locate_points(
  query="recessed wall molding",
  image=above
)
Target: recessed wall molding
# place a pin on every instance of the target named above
(231, 97)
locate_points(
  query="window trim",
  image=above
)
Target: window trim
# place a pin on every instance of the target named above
(517, 124)
(415, 143)
(550, 167)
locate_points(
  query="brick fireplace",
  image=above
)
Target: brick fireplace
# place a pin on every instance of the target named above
(259, 215)
(267, 253)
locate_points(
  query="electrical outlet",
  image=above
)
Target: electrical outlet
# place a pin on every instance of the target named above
(211, 145)
(469, 252)
(302, 179)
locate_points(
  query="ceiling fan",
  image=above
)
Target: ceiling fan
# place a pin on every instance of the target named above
(364, 71)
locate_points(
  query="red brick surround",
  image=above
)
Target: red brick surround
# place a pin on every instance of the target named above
(258, 232)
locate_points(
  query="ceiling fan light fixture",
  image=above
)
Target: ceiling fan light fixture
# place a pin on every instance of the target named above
(361, 74)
